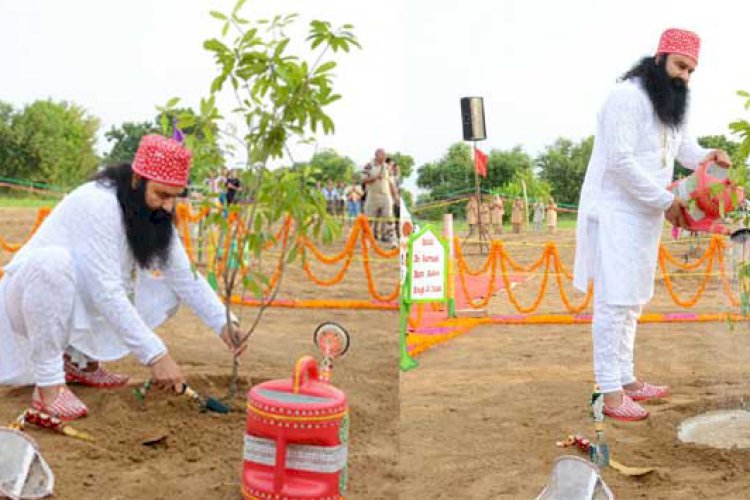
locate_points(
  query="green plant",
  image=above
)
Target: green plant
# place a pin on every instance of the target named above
(280, 97)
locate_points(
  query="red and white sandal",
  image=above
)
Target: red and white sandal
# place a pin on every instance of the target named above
(66, 405)
(100, 377)
(647, 391)
(628, 411)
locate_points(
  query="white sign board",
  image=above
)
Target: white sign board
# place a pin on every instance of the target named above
(427, 267)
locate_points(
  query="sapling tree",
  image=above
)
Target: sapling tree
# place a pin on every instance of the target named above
(279, 97)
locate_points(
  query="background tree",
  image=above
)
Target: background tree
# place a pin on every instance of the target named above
(48, 143)
(9, 166)
(452, 178)
(741, 128)
(505, 166)
(405, 163)
(563, 166)
(126, 139)
(328, 164)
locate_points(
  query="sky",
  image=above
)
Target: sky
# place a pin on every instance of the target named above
(542, 67)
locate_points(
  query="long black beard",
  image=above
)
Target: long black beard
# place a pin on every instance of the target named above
(669, 96)
(149, 232)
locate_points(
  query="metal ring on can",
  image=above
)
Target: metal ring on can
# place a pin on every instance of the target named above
(332, 339)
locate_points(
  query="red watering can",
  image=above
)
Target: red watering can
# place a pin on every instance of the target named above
(710, 195)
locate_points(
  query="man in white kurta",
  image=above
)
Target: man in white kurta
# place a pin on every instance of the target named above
(623, 204)
(76, 288)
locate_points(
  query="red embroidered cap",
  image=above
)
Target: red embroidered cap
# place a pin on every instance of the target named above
(162, 160)
(677, 41)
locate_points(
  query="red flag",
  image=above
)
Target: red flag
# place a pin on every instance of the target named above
(480, 162)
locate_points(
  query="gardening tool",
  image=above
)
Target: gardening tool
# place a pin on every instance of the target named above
(209, 404)
(598, 452)
(585, 445)
(45, 421)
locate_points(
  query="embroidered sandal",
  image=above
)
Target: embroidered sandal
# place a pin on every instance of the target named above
(647, 391)
(100, 377)
(628, 411)
(65, 406)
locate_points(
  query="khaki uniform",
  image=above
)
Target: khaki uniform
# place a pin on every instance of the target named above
(379, 202)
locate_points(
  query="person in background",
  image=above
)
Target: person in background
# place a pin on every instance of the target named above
(379, 204)
(353, 196)
(329, 193)
(233, 187)
(538, 215)
(340, 199)
(517, 215)
(497, 210)
(551, 216)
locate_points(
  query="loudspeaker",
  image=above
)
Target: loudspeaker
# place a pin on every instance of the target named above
(472, 117)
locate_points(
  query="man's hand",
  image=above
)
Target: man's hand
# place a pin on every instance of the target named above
(720, 157)
(231, 337)
(675, 214)
(166, 375)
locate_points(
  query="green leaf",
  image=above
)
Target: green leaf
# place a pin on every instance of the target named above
(218, 15)
(238, 6)
(280, 47)
(215, 45)
(225, 29)
(325, 67)
(172, 102)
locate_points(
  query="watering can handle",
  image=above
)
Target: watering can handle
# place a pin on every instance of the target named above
(305, 369)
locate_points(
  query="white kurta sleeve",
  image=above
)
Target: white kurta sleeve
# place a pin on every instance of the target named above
(192, 288)
(624, 114)
(691, 154)
(97, 255)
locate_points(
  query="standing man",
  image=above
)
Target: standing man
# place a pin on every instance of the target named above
(551, 215)
(233, 187)
(641, 129)
(80, 291)
(379, 202)
(517, 215)
(340, 199)
(395, 172)
(353, 196)
(329, 193)
(538, 215)
(496, 213)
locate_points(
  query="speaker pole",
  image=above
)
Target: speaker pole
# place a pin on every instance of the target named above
(478, 192)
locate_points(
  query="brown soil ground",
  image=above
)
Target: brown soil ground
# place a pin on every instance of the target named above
(202, 455)
(481, 414)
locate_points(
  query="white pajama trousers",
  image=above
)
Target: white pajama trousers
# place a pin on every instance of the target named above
(613, 330)
(39, 298)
